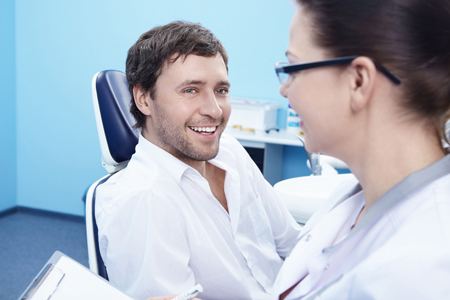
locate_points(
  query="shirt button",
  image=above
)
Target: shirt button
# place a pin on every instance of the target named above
(308, 238)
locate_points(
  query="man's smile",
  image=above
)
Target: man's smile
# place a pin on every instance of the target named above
(204, 130)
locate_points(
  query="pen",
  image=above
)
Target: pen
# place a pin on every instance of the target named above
(190, 294)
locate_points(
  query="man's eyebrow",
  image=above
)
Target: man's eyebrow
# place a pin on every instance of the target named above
(200, 82)
(224, 83)
(191, 82)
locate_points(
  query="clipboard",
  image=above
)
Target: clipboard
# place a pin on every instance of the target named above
(62, 278)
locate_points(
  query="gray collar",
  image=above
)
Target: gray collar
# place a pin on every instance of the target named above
(396, 195)
(399, 193)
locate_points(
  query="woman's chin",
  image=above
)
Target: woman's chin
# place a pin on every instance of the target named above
(309, 145)
(310, 148)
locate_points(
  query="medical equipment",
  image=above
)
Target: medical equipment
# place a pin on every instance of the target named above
(313, 162)
(304, 195)
(253, 114)
(293, 122)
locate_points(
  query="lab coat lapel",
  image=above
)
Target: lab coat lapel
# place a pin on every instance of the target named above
(295, 267)
(309, 247)
(343, 192)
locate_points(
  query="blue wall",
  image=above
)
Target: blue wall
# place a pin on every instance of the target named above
(8, 175)
(60, 45)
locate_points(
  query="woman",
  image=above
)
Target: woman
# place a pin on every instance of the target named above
(381, 107)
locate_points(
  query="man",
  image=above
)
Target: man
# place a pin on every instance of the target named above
(191, 207)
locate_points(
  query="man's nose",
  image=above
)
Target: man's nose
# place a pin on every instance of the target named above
(211, 106)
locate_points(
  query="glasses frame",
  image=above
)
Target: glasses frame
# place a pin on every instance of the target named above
(287, 68)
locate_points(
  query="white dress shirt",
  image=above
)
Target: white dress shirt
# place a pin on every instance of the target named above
(161, 231)
(404, 254)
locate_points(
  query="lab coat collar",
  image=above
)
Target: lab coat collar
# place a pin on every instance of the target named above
(344, 191)
(323, 233)
(398, 194)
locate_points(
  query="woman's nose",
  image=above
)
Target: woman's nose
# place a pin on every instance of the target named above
(283, 90)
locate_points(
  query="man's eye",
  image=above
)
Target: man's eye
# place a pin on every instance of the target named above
(222, 91)
(190, 91)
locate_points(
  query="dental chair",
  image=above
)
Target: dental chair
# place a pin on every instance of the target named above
(117, 139)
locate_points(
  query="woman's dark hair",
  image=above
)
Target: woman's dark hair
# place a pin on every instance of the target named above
(410, 37)
(156, 47)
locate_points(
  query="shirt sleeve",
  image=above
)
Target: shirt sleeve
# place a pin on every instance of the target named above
(285, 229)
(144, 246)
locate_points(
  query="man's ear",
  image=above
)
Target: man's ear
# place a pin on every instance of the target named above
(362, 81)
(142, 100)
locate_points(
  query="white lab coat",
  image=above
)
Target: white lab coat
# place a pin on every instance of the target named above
(404, 254)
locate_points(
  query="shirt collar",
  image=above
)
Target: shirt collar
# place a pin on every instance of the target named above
(225, 158)
(147, 151)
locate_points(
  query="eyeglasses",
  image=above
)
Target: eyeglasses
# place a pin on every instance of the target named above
(284, 69)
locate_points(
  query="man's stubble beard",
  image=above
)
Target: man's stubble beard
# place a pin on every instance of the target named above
(175, 140)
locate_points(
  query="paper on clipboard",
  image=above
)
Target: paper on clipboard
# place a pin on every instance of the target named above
(46, 283)
(65, 279)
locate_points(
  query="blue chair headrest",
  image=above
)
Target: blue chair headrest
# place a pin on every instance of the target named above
(110, 89)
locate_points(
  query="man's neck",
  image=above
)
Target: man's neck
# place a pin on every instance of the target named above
(200, 166)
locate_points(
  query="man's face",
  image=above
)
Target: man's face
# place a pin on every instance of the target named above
(191, 108)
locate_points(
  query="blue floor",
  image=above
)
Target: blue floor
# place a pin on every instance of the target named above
(27, 241)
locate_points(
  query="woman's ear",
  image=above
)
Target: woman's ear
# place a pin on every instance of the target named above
(362, 78)
(142, 100)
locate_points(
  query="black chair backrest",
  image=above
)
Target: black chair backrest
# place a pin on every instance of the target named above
(114, 104)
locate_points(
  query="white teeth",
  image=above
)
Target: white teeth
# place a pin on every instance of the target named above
(204, 129)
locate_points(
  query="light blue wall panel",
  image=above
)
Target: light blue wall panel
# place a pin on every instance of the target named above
(62, 44)
(8, 178)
